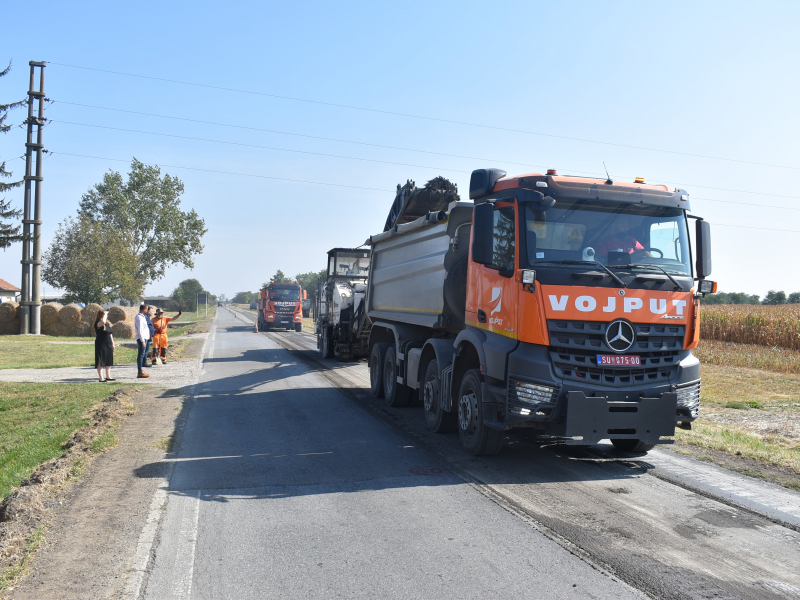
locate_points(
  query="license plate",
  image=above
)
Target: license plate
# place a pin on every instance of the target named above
(612, 360)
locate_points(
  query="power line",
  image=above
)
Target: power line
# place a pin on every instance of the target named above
(355, 187)
(320, 182)
(382, 161)
(197, 139)
(426, 118)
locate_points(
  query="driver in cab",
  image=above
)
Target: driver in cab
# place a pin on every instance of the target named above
(617, 238)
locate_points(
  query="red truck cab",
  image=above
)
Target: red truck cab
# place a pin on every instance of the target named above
(280, 305)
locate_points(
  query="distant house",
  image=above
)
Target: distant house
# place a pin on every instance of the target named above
(8, 292)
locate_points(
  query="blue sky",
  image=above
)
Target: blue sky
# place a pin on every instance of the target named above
(718, 79)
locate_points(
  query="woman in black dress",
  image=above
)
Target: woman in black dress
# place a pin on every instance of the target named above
(103, 346)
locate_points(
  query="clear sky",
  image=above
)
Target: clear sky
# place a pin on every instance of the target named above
(689, 79)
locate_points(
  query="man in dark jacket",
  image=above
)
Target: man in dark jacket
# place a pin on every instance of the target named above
(147, 315)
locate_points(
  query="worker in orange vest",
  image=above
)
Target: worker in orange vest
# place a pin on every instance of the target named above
(160, 339)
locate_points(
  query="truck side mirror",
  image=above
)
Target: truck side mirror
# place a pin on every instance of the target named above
(703, 239)
(482, 233)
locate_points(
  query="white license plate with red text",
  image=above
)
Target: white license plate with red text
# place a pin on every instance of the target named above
(613, 360)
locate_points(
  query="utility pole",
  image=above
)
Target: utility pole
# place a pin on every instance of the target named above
(31, 303)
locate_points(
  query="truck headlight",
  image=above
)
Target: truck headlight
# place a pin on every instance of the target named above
(532, 393)
(689, 398)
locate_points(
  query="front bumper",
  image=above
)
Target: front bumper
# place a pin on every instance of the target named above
(588, 412)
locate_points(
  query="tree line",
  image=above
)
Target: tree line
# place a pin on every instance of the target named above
(308, 281)
(773, 297)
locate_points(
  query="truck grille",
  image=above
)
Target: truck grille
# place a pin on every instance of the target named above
(574, 346)
(285, 310)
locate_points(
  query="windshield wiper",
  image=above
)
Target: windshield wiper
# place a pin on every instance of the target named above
(584, 262)
(671, 278)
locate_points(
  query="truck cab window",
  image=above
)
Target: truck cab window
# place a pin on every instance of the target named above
(504, 239)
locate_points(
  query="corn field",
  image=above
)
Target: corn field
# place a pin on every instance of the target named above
(776, 326)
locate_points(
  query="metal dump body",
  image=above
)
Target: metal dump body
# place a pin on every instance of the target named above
(412, 266)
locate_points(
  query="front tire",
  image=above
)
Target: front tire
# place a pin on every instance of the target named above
(298, 327)
(632, 445)
(397, 394)
(436, 419)
(376, 359)
(476, 437)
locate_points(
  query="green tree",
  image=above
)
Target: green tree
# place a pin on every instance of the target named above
(279, 277)
(774, 297)
(308, 281)
(185, 295)
(91, 262)
(9, 233)
(794, 298)
(244, 297)
(147, 208)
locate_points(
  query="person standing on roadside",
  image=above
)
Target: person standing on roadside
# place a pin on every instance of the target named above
(103, 346)
(149, 316)
(142, 337)
(161, 341)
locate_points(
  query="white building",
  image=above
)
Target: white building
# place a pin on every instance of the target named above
(8, 292)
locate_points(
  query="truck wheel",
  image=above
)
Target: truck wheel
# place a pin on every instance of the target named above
(325, 345)
(476, 437)
(436, 419)
(298, 327)
(632, 445)
(396, 394)
(376, 359)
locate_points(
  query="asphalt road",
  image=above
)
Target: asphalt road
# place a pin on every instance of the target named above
(292, 482)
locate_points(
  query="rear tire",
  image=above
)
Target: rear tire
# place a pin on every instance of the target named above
(632, 445)
(436, 419)
(376, 359)
(325, 346)
(476, 437)
(397, 394)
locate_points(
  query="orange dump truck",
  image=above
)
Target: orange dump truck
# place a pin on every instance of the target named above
(564, 304)
(280, 305)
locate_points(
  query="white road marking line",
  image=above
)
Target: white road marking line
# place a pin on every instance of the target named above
(187, 544)
(144, 548)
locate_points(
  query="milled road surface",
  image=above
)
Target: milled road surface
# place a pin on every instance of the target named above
(289, 487)
(285, 488)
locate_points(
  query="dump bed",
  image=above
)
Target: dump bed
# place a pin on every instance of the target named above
(417, 275)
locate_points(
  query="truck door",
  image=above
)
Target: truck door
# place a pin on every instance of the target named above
(493, 292)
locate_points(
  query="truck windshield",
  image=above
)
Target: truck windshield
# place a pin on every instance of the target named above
(353, 263)
(284, 295)
(612, 233)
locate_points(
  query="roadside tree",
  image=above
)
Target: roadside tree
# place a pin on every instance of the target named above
(146, 208)
(91, 263)
(9, 233)
(774, 297)
(309, 280)
(185, 295)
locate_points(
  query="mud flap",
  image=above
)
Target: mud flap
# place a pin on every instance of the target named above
(590, 420)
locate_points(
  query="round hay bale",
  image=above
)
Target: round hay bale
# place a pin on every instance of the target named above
(117, 313)
(123, 330)
(49, 314)
(10, 328)
(59, 329)
(9, 311)
(89, 314)
(69, 314)
(78, 329)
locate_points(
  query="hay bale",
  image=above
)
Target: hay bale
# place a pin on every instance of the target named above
(78, 329)
(117, 314)
(8, 311)
(71, 313)
(10, 328)
(49, 315)
(122, 330)
(89, 314)
(59, 329)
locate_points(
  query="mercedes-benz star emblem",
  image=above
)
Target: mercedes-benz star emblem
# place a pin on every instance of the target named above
(620, 336)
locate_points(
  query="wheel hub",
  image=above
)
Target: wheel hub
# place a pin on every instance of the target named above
(429, 394)
(468, 413)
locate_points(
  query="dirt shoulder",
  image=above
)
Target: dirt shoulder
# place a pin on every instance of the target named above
(89, 528)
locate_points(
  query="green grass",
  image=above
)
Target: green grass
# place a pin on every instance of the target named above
(106, 440)
(35, 421)
(38, 352)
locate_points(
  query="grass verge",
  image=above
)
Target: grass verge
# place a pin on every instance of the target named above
(49, 352)
(728, 354)
(36, 419)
